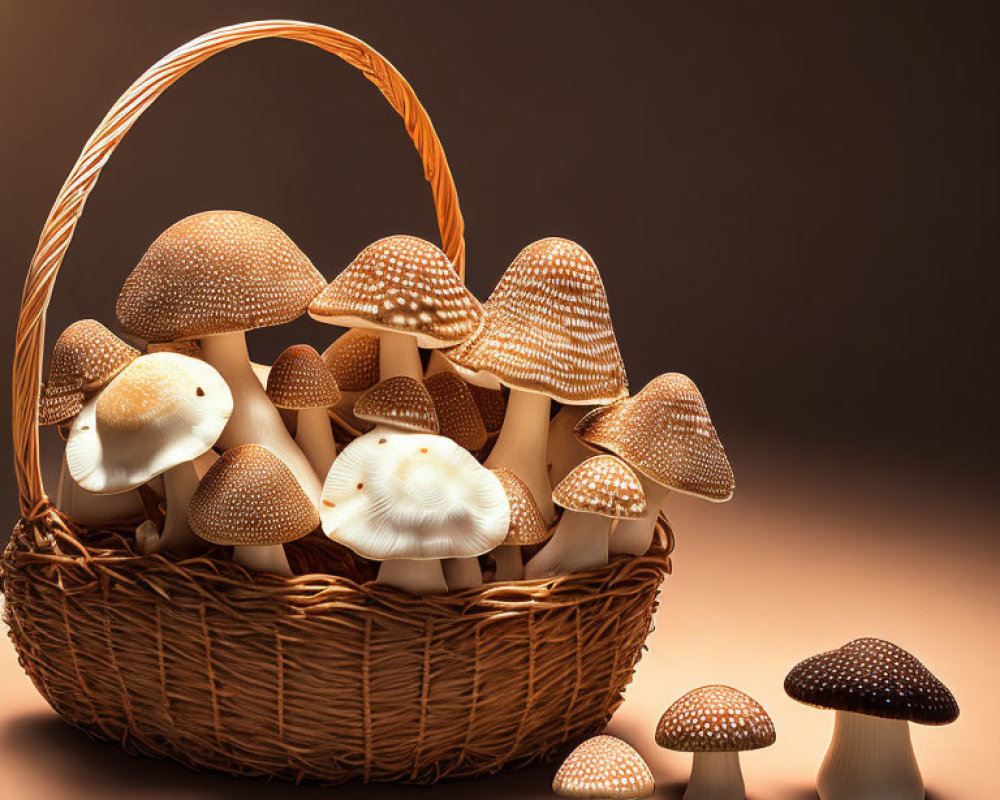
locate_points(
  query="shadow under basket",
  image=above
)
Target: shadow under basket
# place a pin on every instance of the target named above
(318, 677)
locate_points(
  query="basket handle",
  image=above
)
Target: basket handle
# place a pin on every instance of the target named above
(66, 211)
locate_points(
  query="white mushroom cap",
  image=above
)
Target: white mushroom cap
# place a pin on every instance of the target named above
(160, 411)
(396, 495)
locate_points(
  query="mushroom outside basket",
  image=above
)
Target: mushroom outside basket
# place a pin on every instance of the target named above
(317, 677)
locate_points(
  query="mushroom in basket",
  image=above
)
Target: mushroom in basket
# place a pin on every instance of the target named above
(353, 361)
(526, 527)
(665, 433)
(154, 418)
(212, 277)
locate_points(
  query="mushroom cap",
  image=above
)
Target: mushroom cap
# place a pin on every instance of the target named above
(872, 677)
(548, 329)
(353, 360)
(186, 347)
(492, 407)
(402, 284)
(250, 497)
(527, 525)
(665, 432)
(394, 495)
(604, 767)
(85, 357)
(161, 410)
(715, 719)
(401, 402)
(602, 485)
(54, 409)
(217, 272)
(457, 413)
(299, 379)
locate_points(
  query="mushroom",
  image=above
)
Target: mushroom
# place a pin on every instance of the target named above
(212, 277)
(600, 488)
(563, 449)
(154, 418)
(406, 289)
(409, 500)
(457, 414)
(604, 767)
(399, 402)
(547, 335)
(716, 723)
(527, 527)
(353, 361)
(877, 690)
(300, 381)
(665, 433)
(250, 500)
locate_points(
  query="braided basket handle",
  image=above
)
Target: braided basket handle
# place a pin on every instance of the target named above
(61, 223)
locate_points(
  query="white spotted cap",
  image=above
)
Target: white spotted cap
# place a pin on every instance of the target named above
(457, 413)
(602, 485)
(604, 767)
(299, 379)
(527, 525)
(715, 719)
(401, 402)
(353, 360)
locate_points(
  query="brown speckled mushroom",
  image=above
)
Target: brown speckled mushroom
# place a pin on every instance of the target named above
(405, 289)
(604, 768)
(595, 494)
(547, 335)
(250, 500)
(353, 361)
(527, 527)
(877, 690)
(664, 433)
(399, 402)
(716, 723)
(457, 414)
(212, 277)
(300, 381)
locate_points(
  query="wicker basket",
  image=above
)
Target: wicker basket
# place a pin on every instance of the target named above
(318, 676)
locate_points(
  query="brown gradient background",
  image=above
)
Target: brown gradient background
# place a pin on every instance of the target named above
(795, 203)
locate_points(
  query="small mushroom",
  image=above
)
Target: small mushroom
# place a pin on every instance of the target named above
(877, 690)
(300, 381)
(547, 335)
(458, 416)
(353, 361)
(250, 500)
(154, 418)
(410, 500)
(405, 289)
(595, 494)
(492, 407)
(665, 433)
(716, 723)
(212, 277)
(604, 767)
(399, 402)
(527, 527)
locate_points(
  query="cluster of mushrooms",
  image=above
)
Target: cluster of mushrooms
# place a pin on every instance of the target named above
(877, 689)
(444, 438)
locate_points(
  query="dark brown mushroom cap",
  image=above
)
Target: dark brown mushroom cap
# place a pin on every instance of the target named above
(665, 432)
(353, 360)
(715, 719)
(602, 485)
(527, 525)
(249, 497)
(548, 329)
(492, 407)
(604, 767)
(873, 677)
(299, 379)
(401, 402)
(458, 416)
(402, 284)
(217, 272)
(85, 357)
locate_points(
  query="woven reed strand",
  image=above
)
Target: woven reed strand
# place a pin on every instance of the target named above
(319, 677)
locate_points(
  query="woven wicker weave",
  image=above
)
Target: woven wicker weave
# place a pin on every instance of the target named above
(321, 676)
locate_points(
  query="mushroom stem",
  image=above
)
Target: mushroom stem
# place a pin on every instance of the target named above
(93, 509)
(636, 535)
(462, 573)
(255, 420)
(520, 446)
(580, 542)
(314, 436)
(398, 355)
(413, 576)
(179, 485)
(510, 567)
(563, 450)
(263, 558)
(715, 776)
(437, 363)
(869, 758)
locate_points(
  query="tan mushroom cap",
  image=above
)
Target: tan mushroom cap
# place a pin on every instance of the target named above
(249, 497)
(85, 357)
(55, 409)
(604, 767)
(548, 328)
(602, 485)
(217, 272)
(492, 407)
(299, 379)
(458, 416)
(527, 525)
(665, 432)
(353, 360)
(401, 402)
(715, 719)
(402, 284)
